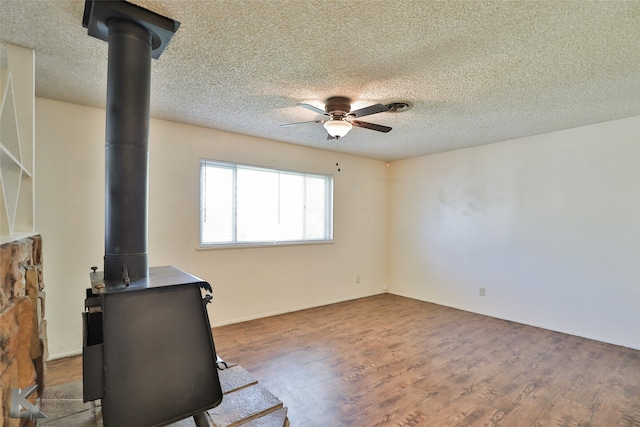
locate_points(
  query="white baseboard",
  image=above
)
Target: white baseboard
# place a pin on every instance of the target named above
(291, 310)
(71, 353)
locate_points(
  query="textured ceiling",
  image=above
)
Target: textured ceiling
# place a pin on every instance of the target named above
(474, 71)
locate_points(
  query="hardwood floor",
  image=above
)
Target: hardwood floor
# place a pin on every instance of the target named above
(62, 371)
(393, 361)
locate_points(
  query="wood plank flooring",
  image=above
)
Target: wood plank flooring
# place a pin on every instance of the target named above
(393, 361)
(61, 371)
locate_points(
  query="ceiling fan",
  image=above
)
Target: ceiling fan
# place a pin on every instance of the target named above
(340, 119)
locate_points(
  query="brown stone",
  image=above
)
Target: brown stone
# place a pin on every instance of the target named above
(14, 279)
(27, 373)
(14, 256)
(40, 279)
(4, 300)
(31, 282)
(43, 339)
(9, 381)
(5, 262)
(8, 337)
(36, 252)
(19, 288)
(41, 304)
(24, 318)
(35, 349)
(31, 277)
(22, 346)
(2, 412)
(38, 365)
(23, 251)
(38, 311)
(6, 270)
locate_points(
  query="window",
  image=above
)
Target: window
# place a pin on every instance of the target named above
(252, 205)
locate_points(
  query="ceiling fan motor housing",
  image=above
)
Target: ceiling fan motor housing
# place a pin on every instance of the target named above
(337, 106)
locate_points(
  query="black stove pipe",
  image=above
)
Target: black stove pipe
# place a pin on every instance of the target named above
(127, 152)
(135, 35)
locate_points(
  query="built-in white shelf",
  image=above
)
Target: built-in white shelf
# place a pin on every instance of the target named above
(16, 150)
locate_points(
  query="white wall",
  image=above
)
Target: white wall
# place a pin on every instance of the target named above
(549, 225)
(247, 283)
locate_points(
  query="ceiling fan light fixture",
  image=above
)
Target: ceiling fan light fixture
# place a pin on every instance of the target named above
(337, 128)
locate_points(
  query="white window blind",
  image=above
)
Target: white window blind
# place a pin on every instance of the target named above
(251, 205)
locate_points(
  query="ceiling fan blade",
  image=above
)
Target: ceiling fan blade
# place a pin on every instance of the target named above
(372, 126)
(314, 109)
(371, 109)
(301, 123)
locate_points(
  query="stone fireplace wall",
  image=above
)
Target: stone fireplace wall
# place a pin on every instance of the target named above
(23, 343)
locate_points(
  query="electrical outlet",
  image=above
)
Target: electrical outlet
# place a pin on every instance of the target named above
(481, 292)
(357, 279)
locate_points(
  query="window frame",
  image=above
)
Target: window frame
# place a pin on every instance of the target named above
(234, 166)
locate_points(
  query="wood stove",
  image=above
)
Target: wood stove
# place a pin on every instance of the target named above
(148, 351)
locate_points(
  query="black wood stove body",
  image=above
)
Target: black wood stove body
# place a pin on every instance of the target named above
(148, 350)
